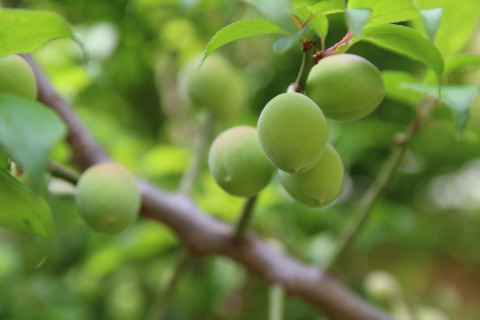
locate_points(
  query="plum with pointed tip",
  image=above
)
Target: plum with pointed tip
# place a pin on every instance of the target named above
(107, 198)
(237, 162)
(347, 87)
(320, 185)
(16, 77)
(292, 132)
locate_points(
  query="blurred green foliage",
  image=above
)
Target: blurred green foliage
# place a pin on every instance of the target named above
(424, 231)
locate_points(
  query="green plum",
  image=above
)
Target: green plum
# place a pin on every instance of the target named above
(347, 87)
(107, 198)
(16, 77)
(318, 186)
(216, 86)
(237, 162)
(293, 132)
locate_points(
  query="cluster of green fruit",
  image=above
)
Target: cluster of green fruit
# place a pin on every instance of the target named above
(292, 134)
(107, 196)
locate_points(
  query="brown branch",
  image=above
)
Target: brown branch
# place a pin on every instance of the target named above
(203, 235)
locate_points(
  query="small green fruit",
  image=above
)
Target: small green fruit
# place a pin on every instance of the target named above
(216, 86)
(318, 186)
(16, 77)
(237, 162)
(293, 132)
(107, 198)
(346, 87)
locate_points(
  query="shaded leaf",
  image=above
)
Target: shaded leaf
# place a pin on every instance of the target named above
(319, 23)
(458, 62)
(283, 44)
(408, 42)
(22, 211)
(458, 98)
(431, 21)
(238, 30)
(356, 19)
(23, 31)
(28, 131)
(395, 90)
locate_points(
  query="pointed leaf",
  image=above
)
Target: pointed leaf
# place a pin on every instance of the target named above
(386, 11)
(457, 98)
(22, 211)
(431, 21)
(408, 42)
(356, 19)
(283, 44)
(319, 22)
(28, 130)
(458, 62)
(238, 30)
(23, 31)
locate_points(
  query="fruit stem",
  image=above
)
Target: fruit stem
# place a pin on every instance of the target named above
(275, 306)
(307, 65)
(163, 296)
(62, 172)
(244, 218)
(201, 142)
(382, 181)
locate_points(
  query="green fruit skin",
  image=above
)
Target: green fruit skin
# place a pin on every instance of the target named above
(320, 185)
(107, 198)
(237, 162)
(293, 132)
(347, 87)
(216, 86)
(16, 77)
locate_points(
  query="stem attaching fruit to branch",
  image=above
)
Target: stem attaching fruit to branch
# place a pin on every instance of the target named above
(275, 303)
(242, 224)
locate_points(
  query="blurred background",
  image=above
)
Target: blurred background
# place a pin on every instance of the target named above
(424, 233)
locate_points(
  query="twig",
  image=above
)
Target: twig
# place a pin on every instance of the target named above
(201, 143)
(62, 172)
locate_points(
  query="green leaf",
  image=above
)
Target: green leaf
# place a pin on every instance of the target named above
(431, 21)
(458, 24)
(327, 7)
(395, 90)
(22, 211)
(28, 130)
(4, 161)
(279, 11)
(356, 19)
(386, 11)
(458, 62)
(458, 98)
(238, 30)
(23, 31)
(408, 42)
(283, 44)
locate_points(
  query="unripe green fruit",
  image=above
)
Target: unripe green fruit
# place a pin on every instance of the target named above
(318, 186)
(107, 198)
(16, 77)
(293, 132)
(346, 86)
(216, 86)
(237, 162)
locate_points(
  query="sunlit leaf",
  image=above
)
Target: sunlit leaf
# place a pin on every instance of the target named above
(238, 30)
(279, 11)
(319, 23)
(458, 98)
(28, 131)
(458, 62)
(431, 21)
(23, 31)
(408, 42)
(386, 11)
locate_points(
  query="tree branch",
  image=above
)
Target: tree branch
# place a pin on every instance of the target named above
(203, 235)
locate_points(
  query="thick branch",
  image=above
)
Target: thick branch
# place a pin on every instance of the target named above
(201, 234)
